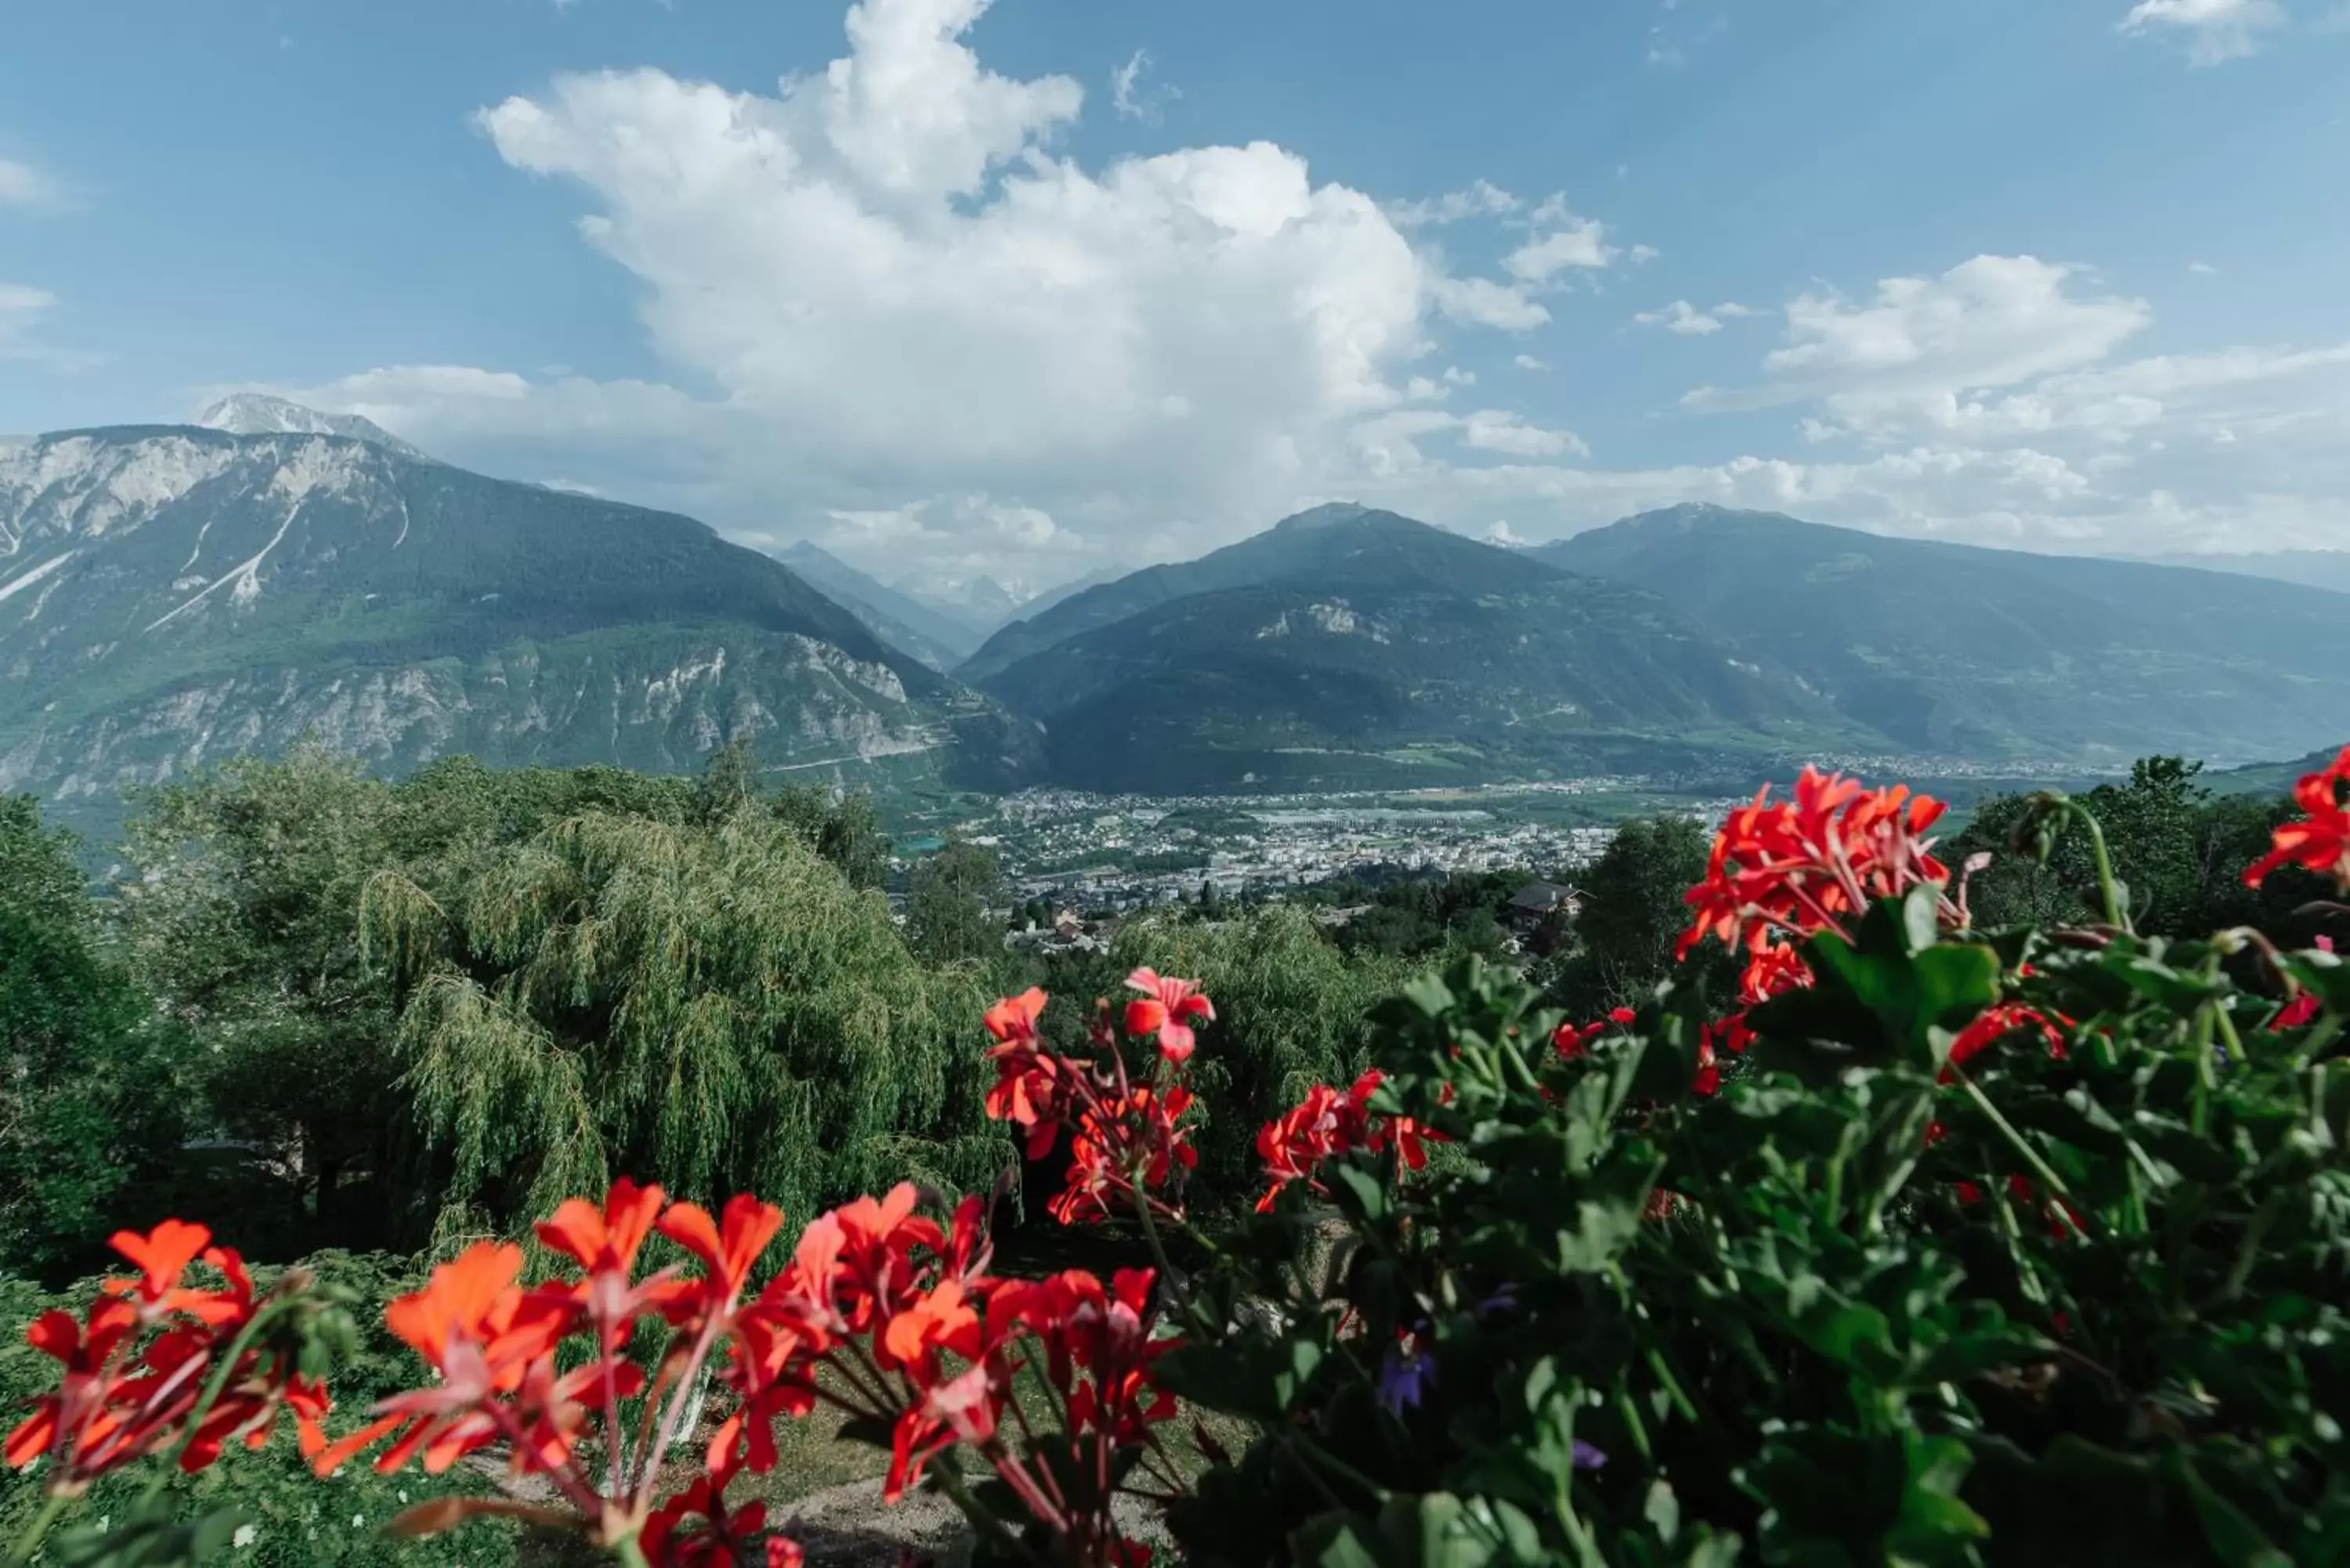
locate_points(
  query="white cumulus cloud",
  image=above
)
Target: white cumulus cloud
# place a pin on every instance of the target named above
(1571, 242)
(1912, 353)
(917, 329)
(1479, 199)
(1482, 302)
(2212, 31)
(891, 289)
(1687, 319)
(1497, 430)
(888, 273)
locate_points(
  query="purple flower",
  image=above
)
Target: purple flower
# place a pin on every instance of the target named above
(1501, 1301)
(1587, 1458)
(1404, 1380)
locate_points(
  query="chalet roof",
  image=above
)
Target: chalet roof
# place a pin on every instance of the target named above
(1540, 897)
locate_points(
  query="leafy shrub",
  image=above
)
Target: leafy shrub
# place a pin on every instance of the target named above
(2013, 1247)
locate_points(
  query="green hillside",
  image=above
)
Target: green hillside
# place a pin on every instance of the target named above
(1295, 545)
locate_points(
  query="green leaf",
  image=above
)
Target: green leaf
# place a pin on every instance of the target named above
(1336, 1540)
(1365, 1195)
(152, 1536)
(2238, 1541)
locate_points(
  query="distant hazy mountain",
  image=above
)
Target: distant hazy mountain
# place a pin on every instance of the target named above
(170, 597)
(2268, 778)
(1347, 648)
(1991, 653)
(979, 606)
(2309, 568)
(257, 413)
(984, 605)
(904, 624)
(1039, 603)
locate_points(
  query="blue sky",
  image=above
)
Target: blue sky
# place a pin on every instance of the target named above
(1042, 287)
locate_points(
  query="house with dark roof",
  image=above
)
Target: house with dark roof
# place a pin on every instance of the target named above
(1536, 902)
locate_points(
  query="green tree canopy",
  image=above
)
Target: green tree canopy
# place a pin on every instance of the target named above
(2180, 848)
(1291, 1011)
(946, 906)
(244, 914)
(1633, 913)
(89, 1089)
(708, 1004)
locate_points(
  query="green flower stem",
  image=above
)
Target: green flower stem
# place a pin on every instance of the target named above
(1191, 1310)
(2320, 1039)
(1672, 1386)
(2248, 1251)
(1579, 1534)
(52, 1508)
(2228, 1036)
(2039, 1166)
(627, 1550)
(2108, 891)
(1311, 1449)
(2206, 1080)
(681, 1396)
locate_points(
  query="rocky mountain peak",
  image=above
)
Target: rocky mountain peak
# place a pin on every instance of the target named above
(258, 413)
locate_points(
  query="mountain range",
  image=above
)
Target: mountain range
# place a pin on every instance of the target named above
(1349, 647)
(171, 596)
(174, 595)
(1352, 646)
(1957, 650)
(982, 604)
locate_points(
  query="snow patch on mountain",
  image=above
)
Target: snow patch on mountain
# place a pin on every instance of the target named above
(15, 584)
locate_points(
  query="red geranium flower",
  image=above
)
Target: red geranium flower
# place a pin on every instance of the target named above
(1995, 1023)
(2320, 841)
(1127, 1150)
(1164, 1009)
(1328, 1123)
(2303, 1007)
(1015, 1017)
(695, 1529)
(1793, 868)
(135, 1368)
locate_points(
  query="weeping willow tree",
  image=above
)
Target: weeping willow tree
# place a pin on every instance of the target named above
(1291, 1011)
(708, 1004)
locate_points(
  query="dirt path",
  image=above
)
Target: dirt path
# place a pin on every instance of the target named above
(850, 1526)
